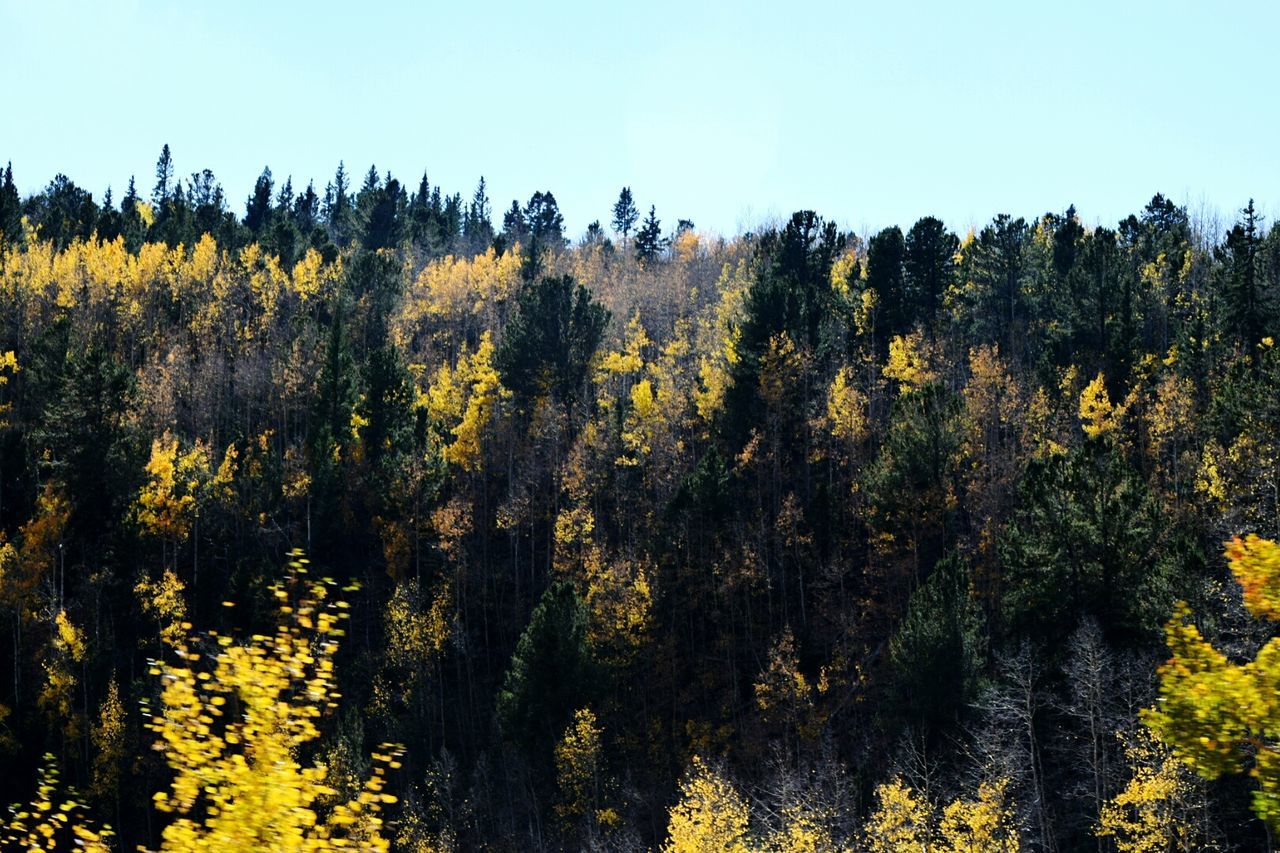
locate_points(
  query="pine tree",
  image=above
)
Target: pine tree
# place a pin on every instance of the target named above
(625, 214)
(649, 241)
(164, 179)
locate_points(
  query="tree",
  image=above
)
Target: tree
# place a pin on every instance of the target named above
(649, 242)
(478, 223)
(886, 276)
(53, 819)
(164, 179)
(549, 343)
(1221, 717)
(10, 209)
(625, 213)
(550, 672)
(939, 649)
(929, 263)
(1087, 539)
(543, 220)
(711, 817)
(257, 213)
(232, 721)
(1247, 300)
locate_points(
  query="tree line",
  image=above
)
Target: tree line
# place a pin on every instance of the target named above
(796, 540)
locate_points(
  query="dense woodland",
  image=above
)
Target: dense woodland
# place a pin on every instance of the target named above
(372, 518)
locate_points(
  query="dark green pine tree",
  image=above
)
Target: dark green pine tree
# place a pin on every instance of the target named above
(10, 209)
(477, 225)
(548, 344)
(1246, 299)
(939, 649)
(929, 264)
(257, 212)
(792, 294)
(625, 214)
(649, 241)
(544, 221)
(164, 179)
(337, 210)
(551, 673)
(1087, 539)
(886, 253)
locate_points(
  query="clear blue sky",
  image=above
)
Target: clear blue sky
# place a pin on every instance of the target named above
(724, 113)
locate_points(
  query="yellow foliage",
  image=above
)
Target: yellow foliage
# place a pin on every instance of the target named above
(900, 823)
(177, 483)
(1255, 563)
(846, 408)
(909, 362)
(577, 757)
(803, 830)
(66, 649)
(232, 722)
(1098, 417)
(163, 601)
(52, 821)
(8, 367)
(108, 743)
(462, 399)
(711, 815)
(719, 336)
(984, 825)
(1147, 816)
(1223, 718)
(783, 693)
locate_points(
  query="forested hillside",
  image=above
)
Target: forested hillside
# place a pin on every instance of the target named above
(368, 518)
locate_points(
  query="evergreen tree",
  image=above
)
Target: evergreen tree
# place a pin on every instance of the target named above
(544, 221)
(929, 264)
(1246, 300)
(649, 242)
(939, 649)
(886, 253)
(257, 214)
(10, 209)
(548, 345)
(550, 674)
(625, 214)
(164, 179)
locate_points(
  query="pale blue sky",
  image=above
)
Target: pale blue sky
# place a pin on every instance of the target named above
(724, 113)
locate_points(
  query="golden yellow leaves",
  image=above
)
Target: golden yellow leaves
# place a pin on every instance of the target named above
(1098, 417)
(8, 368)
(239, 783)
(846, 408)
(462, 399)
(783, 694)
(52, 820)
(66, 651)
(108, 743)
(1211, 708)
(711, 815)
(177, 482)
(904, 821)
(162, 600)
(1149, 814)
(578, 767)
(1255, 563)
(900, 822)
(909, 362)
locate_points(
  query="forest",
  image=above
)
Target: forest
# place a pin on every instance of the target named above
(370, 518)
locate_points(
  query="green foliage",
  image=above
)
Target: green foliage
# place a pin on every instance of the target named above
(551, 671)
(1087, 539)
(548, 345)
(938, 651)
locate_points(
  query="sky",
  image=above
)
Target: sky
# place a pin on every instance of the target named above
(732, 114)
